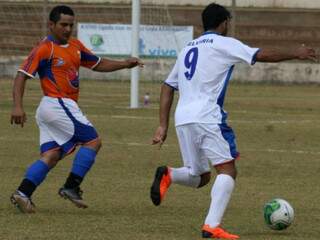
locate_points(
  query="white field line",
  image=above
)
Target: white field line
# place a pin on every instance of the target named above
(267, 113)
(303, 121)
(95, 94)
(128, 108)
(242, 150)
(133, 117)
(282, 151)
(136, 144)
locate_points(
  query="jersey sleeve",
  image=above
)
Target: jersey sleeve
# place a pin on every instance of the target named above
(88, 59)
(172, 80)
(30, 66)
(240, 52)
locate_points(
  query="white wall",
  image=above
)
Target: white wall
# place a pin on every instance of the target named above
(279, 3)
(158, 70)
(308, 4)
(285, 72)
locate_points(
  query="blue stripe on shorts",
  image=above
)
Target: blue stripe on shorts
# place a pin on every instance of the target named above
(229, 136)
(82, 134)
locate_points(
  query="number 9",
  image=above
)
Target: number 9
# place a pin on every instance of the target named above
(190, 62)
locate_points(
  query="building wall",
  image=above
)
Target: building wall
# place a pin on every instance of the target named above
(257, 27)
(307, 4)
(158, 70)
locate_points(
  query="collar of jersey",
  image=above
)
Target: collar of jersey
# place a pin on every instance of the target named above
(50, 38)
(211, 32)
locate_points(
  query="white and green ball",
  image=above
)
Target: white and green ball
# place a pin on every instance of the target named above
(278, 214)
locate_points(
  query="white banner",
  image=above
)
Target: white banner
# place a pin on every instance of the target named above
(115, 39)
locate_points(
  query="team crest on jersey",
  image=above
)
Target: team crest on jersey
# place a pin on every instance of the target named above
(59, 62)
(73, 79)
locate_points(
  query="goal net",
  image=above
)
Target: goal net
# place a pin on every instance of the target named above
(24, 23)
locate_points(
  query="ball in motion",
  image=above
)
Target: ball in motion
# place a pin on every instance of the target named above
(278, 214)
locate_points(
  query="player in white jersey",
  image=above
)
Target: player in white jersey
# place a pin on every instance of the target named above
(201, 75)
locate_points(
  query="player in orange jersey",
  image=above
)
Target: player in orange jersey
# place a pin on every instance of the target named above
(62, 125)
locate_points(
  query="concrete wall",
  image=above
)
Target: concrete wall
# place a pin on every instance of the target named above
(257, 27)
(286, 72)
(158, 70)
(307, 4)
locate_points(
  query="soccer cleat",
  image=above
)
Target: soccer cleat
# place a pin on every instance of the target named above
(74, 195)
(160, 185)
(22, 202)
(217, 232)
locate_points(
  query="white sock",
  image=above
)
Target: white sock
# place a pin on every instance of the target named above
(220, 196)
(182, 176)
(22, 194)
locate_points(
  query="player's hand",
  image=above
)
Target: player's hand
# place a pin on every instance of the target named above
(133, 62)
(18, 116)
(159, 136)
(304, 52)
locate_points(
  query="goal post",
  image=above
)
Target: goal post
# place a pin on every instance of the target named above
(134, 91)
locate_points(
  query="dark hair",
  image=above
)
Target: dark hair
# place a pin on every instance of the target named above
(213, 15)
(58, 10)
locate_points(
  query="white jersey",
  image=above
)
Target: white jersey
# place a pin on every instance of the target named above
(201, 74)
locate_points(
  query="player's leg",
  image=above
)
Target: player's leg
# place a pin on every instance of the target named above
(50, 155)
(82, 133)
(222, 156)
(220, 196)
(34, 176)
(195, 173)
(82, 163)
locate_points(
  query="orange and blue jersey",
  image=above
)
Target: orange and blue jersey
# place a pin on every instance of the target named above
(58, 66)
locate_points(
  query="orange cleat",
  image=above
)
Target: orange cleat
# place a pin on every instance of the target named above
(160, 185)
(217, 232)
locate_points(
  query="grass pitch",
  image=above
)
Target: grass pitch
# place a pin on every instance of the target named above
(278, 135)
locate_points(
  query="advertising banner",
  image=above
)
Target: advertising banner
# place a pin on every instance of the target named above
(115, 39)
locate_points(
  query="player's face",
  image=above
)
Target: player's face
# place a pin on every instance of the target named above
(62, 29)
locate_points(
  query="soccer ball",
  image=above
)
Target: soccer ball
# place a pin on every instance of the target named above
(278, 214)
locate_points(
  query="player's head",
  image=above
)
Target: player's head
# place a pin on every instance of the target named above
(216, 17)
(61, 21)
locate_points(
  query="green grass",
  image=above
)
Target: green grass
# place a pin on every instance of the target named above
(278, 133)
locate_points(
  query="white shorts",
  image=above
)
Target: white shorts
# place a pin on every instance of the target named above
(203, 143)
(62, 125)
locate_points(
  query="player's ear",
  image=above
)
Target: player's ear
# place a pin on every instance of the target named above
(50, 24)
(224, 27)
(226, 23)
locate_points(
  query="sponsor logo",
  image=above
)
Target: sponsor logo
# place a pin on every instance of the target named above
(155, 52)
(96, 41)
(59, 62)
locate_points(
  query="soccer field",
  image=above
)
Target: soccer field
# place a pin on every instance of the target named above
(278, 136)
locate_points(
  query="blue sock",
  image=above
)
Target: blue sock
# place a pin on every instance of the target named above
(83, 161)
(37, 172)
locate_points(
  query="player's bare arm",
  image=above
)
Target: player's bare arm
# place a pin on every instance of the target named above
(18, 116)
(166, 99)
(273, 55)
(108, 65)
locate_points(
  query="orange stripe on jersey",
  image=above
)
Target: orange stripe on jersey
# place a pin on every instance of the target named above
(58, 66)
